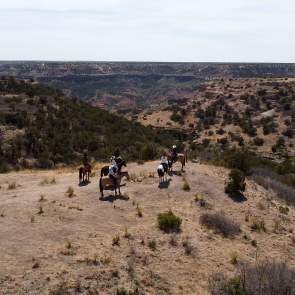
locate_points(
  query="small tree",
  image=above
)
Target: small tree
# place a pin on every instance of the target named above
(236, 183)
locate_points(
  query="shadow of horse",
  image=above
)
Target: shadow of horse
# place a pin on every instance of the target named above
(84, 183)
(164, 184)
(113, 198)
(176, 173)
(238, 197)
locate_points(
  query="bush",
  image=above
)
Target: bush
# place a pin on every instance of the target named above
(169, 222)
(270, 180)
(262, 278)
(220, 224)
(258, 141)
(236, 183)
(186, 187)
(148, 152)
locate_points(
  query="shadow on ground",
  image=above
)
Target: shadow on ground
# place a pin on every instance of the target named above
(164, 184)
(113, 198)
(84, 183)
(238, 197)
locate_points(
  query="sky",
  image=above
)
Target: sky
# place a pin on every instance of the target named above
(148, 30)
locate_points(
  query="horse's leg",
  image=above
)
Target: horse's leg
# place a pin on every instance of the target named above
(101, 188)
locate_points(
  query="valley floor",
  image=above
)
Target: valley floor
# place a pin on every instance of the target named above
(56, 244)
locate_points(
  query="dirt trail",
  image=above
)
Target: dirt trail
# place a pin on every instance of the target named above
(69, 245)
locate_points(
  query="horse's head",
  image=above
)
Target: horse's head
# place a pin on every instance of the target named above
(120, 162)
(126, 174)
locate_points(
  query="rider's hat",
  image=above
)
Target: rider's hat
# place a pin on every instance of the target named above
(174, 146)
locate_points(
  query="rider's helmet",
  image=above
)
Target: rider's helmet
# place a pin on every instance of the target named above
(174, 146)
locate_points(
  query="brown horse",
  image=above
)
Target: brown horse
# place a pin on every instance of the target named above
(84, 173)
(181, 158)
(105, 183)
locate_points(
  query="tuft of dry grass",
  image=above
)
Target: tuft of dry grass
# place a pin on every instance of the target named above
(127, 234)
(70, 192)
(40, 211)
(258, 226)
(189, 249)
(48, 180)
(139, 211)
(186, 187)
(234, 258)
(152, 245)
(42, 198)
(12, 185)
(116, 240)
(173, 240)
(284, 210)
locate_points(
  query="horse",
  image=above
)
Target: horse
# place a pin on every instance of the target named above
(105, 169)
(84, 173)
(105, 183)
(162, 172)
(181, 158)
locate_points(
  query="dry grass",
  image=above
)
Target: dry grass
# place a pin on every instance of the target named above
(220, 224)
(12, 185)
(116, 240)
(139, 211)
(48, 180)
(186, 187)
(258, 225)
(262, 278)
(70, 192)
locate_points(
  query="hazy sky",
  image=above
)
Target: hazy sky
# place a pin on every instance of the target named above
(148, 30)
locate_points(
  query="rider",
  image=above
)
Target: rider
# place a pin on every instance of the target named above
(164, 162)
(113, 171)
(174, 153)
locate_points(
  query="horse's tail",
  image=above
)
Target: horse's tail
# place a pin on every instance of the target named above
(100, 185)
(185, 156)
(101, 173)
(80, 173)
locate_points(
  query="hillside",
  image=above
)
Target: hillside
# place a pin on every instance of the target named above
(257, 113)
(40, 127)
(53, 242)
(136, 85)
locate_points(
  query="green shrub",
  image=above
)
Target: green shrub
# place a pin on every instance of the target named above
(169, 222)
(236, 183)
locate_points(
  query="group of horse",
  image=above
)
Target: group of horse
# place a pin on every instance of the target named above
(165, 168)
(105, 183)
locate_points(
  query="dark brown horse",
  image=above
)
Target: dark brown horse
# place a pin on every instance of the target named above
(181, 158)
(84, 173)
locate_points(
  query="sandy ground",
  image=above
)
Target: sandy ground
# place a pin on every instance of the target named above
(68, 249)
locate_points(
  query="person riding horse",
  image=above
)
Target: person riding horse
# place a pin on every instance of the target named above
(113, 172)
(164, 162)
(174, 153)
(85, 159)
